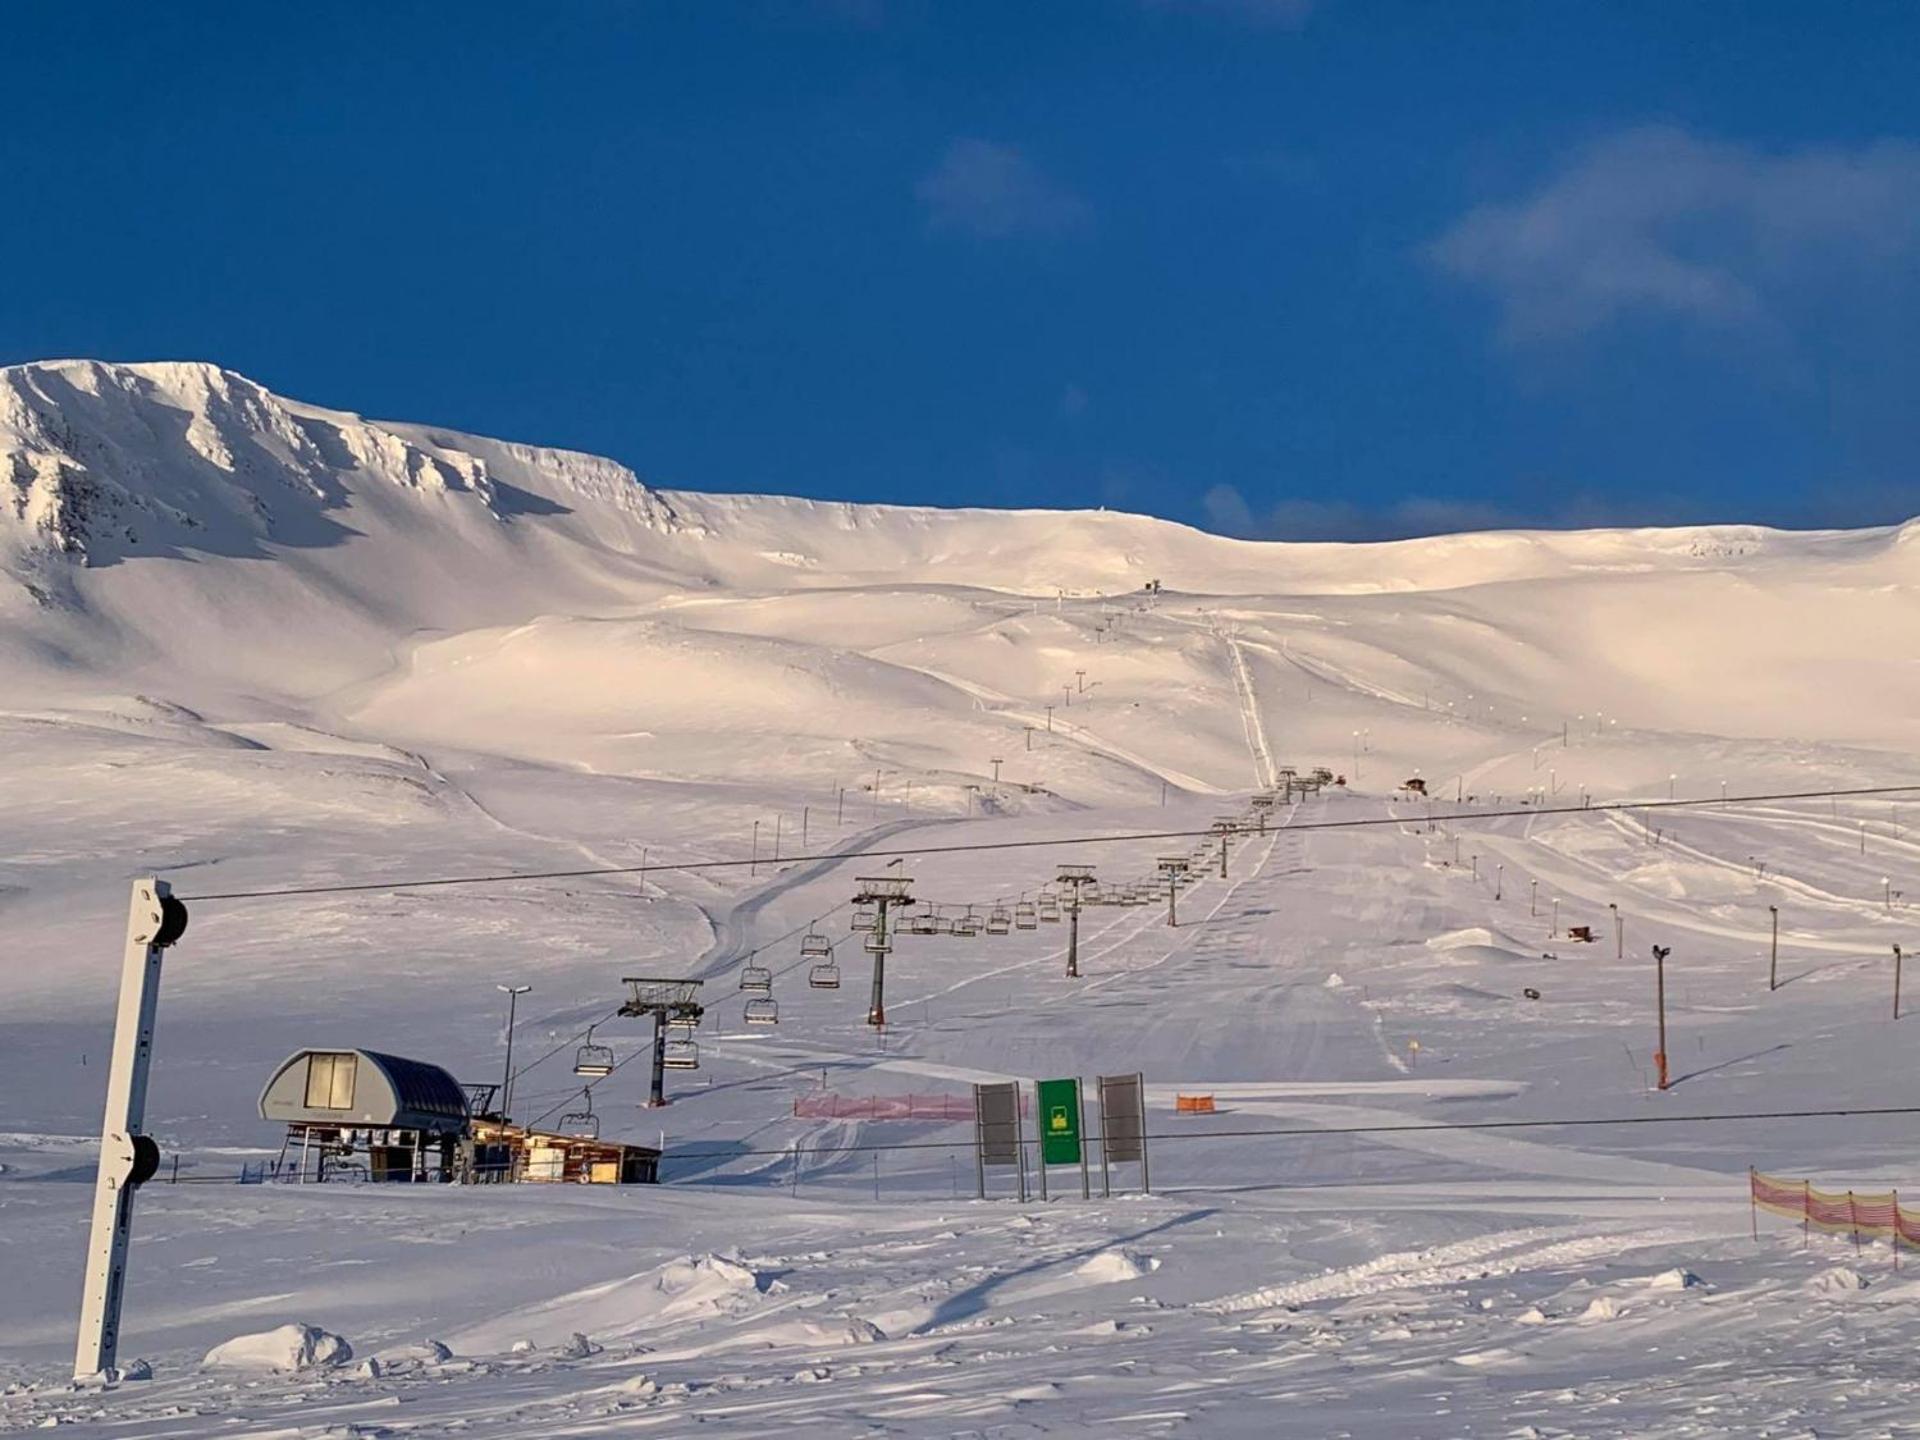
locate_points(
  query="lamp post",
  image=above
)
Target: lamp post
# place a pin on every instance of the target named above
(513, 994)
(1660, 953)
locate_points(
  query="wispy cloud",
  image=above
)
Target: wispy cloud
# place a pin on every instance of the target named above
(994, 191)
(1661, 222)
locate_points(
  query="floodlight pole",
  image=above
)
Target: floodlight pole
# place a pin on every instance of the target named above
(1660, 953)
(1897, 957)
(513, 994)
(1773, 963)
(127, 1157)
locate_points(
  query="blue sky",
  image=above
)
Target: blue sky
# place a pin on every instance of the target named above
(1278, 267)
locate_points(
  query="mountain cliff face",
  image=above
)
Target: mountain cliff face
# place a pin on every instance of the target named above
(102, 463)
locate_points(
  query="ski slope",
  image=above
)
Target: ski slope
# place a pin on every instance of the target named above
(249, 643)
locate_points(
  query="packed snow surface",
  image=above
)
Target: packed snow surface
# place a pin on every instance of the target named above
(252, 644)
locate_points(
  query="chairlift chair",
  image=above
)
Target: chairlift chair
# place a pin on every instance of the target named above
(999, 920)
(682, 1029)
(815, 946)
(680, 1055)
(756, 977)
(592, 1059)
(865, 917)
(762, 1010)
(1049, 908)
(1026, 916)
(877, 944)
(924, 922)
(967, 926)
(582, 1122)
(825, 975)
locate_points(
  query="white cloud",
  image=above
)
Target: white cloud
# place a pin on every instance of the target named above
(994, 191)
(1660, 222)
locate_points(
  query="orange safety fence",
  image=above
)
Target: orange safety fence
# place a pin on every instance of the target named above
(1193, 1104)
(1876, 1215)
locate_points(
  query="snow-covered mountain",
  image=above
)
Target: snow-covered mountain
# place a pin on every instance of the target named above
(248, 643)
(181, 519)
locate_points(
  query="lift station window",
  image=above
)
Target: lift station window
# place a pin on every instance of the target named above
(330, 1082)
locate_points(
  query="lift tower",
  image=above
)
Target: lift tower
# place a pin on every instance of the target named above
(668, 1002)
(1074, 879)
(874, 896)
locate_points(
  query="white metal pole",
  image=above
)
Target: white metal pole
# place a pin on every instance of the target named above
(127, 1158)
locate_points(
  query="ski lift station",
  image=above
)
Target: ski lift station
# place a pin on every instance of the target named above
(366, 1115)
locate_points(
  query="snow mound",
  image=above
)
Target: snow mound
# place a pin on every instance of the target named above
(289, 1347)
(1110, 1266)
(683, 1291)
(1602, 1308)
(1841, 1280)
(1335, 981)
(1678, 1278)
(1457, 939)
(805, 1334)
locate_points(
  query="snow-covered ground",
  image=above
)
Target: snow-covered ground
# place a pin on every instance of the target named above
(247, 643)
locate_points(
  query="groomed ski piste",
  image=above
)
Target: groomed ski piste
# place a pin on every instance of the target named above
(248, 644)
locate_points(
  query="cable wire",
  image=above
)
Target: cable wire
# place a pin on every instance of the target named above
(1130, 837)
(1299, 1131)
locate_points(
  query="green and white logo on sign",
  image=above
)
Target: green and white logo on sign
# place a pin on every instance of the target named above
(1059, 1122)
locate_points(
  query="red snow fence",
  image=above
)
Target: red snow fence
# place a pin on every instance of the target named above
(826, 1105)
(1193, 1105)
(1876, 1215)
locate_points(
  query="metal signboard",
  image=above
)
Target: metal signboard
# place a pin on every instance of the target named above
(997, 1114)
(1059, 1122)
(1123, 1117)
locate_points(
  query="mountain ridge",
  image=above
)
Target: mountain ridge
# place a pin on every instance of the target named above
(113, 461)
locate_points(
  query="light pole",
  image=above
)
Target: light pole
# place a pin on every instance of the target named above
(753, 867)
(1773, 963)
(513, 994)
(1660, 953)
(1619, 932)
(1670, 782)
(1049, 710)
(1499, 879)
(1886, 887)
(1533, 897)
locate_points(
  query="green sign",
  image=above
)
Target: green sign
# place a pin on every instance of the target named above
(1059, 1122)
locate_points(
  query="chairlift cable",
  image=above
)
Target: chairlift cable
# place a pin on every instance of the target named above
(1055, 842)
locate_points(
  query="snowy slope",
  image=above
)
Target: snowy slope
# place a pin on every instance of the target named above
(246, 641)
